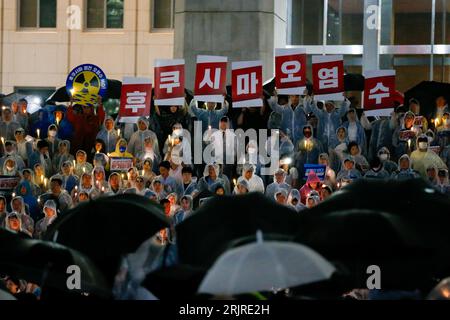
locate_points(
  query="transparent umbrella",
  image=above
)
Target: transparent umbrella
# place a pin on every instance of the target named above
(265, 266)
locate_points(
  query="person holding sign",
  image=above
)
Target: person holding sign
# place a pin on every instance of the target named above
(293, 116)
(210, 116)
(329, 118)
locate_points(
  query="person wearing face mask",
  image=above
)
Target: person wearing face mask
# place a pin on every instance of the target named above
(423, 157)
(376, 170)
(41, 156)
(383, 131)
(279, 182)
(11, 152)
(384, 155)
(308, 150)
(52, 140)
(7, 125)
(10, 167)
(121, 150)
(108, 135)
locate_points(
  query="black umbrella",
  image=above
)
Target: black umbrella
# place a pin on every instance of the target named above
(114, 91)
(207, 234)
(357, 239)
(175, 282)
(107, 228)
(426, 93)
(45, 264)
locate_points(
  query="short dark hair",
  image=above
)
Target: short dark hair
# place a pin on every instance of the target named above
(57, 180)
(164, 201)
(165, 164)
(42, 144)
(187, 169)
(352, 144)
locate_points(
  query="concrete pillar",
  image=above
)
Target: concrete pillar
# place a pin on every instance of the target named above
(371, 35)
(240, 30)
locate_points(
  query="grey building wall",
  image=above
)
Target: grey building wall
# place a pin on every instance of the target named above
(241, 30)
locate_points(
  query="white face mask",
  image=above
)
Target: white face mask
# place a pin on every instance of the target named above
(423, 145)
(52, 133)
(383, 157)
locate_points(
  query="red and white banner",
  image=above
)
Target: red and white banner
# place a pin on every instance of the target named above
(210, 78)
(328, 77)
(290, 71)
(169, 82)
(379, 90)
(135, 99)
(247, 84)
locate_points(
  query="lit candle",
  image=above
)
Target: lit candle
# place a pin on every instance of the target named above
(103, 189)
(142, 173)
(38, 131)
(3, 141)
(39, 200)
(76, 188)
(339, 185)
(14, 195)
(57, 121)
(235, 182)
(118, 133)
(42, 178)
(45, 182)
(72, 92)
(409, 144)
(84, 170)
(436, 122)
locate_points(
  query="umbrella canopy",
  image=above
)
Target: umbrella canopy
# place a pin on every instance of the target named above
(12, 97)
(426, 93)
(114, 91)
(265, 266)
(206, 234)
(5, 296)
(359, 238)
(107, 228)
(46, 263)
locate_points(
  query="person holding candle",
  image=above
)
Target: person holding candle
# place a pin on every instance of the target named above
(14, 223)
(313, 183)
(100, 185)
(20, 114)
(41, 124)
(403, 133)
(63, 155)
(279, 182)
(42, 156)
(348, 170)
(81, 165)
(441, 107)
(108, 135)
(53, 140)
(149, 153)
(11, 152)
(24, 147)
(7, 124)
(57, 116)
(307, 151)
(10, 167)
(24, 190)
(137, 140)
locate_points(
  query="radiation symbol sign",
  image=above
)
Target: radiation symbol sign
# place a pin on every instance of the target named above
(85, 83)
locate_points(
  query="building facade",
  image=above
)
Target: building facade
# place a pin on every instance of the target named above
(42, 40)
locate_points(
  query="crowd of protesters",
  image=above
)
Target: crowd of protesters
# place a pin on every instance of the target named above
(61, 155)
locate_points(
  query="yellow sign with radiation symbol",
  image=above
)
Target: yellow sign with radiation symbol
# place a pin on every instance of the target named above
(86, 83)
